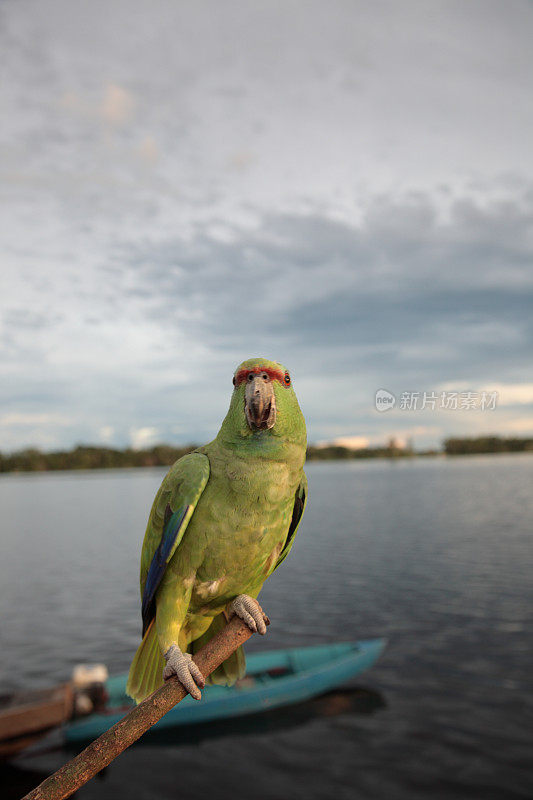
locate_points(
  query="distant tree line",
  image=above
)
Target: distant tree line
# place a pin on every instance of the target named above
(87, 457)
(334, 452)
(163, 455)
(486, 444)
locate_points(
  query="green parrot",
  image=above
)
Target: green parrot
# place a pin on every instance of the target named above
(222, 521)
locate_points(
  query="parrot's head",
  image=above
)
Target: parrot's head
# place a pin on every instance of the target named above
(263, 406)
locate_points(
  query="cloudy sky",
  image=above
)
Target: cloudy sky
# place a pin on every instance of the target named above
(345, 187)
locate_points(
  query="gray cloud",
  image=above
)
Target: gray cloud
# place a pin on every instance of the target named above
(311, 291)
(410, 305)
(351, 198)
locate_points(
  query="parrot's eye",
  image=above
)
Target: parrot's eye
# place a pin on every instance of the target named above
(287, 379)
(234, 381)
(251, 376)
(264, 376)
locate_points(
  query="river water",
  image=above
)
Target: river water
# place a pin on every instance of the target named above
(434, 554)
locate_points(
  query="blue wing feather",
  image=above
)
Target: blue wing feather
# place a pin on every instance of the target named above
(159, 563)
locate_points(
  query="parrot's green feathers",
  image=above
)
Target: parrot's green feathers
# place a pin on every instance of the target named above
(290, 424)
(300, 501)
(182, 486)
(171, 512)
(223, 520)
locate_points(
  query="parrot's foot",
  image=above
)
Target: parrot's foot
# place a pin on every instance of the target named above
(188, 673)
(250, 612)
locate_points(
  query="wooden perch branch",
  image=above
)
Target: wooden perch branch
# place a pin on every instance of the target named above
(113, 742)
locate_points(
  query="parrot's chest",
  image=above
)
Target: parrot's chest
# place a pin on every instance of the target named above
(248, 513)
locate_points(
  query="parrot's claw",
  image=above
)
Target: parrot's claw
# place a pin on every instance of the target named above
(250, 612)
(187, 672)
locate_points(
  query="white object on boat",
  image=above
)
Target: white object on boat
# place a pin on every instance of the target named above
(84, 675)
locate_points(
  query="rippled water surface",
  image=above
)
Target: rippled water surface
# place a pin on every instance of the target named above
(436, 555)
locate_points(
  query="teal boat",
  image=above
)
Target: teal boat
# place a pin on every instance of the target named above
(273, 679)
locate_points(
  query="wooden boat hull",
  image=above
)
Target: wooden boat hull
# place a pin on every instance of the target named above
(25, 718)
(274, 679)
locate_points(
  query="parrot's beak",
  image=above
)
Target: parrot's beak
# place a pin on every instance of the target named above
(260, 404)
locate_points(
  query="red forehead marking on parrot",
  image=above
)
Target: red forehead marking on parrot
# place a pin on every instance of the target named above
(273, 374)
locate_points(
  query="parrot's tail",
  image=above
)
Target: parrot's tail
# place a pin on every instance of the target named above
(146, 671)
(233, 667)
